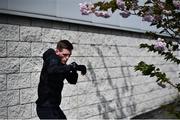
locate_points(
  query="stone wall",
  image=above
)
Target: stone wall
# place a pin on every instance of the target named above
(111, 88)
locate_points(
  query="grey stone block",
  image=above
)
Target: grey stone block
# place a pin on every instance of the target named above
(71, 113)
(19, 111)
(30, 64)
(98, 39)
(51, 35)
(87, 111)
(34, 118)
(9, 65)
(3, 113)
(3, 49)
(3, 98)
(88, 99)
(85, 50)
(85, 88)
(37, 49)
(72, 36)
(9, 32)
(69, 90)
(106, 51)
(46, 46)
(19, 49)
(69, 102)
(28, 95)
(30, 33)
(8, 98)
(17, 81)
(3, 83)
(85, 38)
(35, 77)
(13, 97)
(34, 113)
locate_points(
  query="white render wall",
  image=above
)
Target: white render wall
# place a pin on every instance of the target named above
(111, 88)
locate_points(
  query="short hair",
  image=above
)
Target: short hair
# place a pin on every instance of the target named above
(64, 44)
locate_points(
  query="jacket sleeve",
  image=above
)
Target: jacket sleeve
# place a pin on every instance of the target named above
(52, 63)
(53, 66)
(72, 77)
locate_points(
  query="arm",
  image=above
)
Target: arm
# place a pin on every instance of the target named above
(55, 67)
(52, 63)
(72, 77)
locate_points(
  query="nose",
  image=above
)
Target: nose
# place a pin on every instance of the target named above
(67, 57)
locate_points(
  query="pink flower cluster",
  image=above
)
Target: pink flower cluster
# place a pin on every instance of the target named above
(148, 18)
(121, 4)
(176, 4)
(160, 45)
(104, 14)
(151, 18)
(86, 8)
(125, 14)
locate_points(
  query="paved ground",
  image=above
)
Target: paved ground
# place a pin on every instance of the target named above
(161, 113)
(156, 114)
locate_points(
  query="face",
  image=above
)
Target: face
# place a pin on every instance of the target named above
(64, 55)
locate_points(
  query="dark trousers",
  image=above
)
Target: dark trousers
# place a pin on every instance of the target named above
(50, 113)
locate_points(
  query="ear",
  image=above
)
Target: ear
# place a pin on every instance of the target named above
(57, 51)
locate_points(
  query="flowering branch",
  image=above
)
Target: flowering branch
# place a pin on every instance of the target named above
(152, 71)
(164, 14)
(160, 46)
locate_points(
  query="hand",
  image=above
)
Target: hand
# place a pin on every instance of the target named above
(74, 65)
(82, 68)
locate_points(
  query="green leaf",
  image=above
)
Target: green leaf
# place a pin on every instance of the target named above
(162, 31)
(153, 23)
(175, 47)
(157, 69)
(152, 74)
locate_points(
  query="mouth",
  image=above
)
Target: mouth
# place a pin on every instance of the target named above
(63, 62)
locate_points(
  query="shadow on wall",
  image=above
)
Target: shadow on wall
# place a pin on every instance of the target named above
(119, 109)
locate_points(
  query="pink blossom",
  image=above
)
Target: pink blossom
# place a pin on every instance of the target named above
(157, 18)
(160, 45)
(125, 14)
(135, 4)
(161, 5)
(176, 3)
(167, 12)
(86, 8)
(148, 18)
(120, 4)
(104, 14)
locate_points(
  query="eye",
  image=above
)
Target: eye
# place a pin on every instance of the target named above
(66, 55)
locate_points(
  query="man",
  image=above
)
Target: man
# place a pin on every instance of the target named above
(53, 73)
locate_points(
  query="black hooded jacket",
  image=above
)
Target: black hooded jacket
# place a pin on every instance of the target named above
(52, 79)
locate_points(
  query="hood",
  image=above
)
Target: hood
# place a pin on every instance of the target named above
(48, 53)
